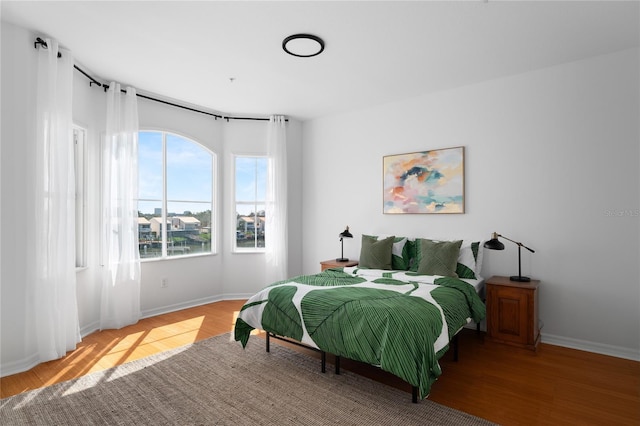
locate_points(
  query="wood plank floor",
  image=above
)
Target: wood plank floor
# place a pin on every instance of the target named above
(509, 386)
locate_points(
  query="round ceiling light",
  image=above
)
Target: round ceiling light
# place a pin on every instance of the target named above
(303, 45)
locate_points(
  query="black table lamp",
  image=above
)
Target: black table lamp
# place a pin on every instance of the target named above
(495, 244)
(344, 234)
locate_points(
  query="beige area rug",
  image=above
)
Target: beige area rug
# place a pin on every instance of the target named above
(216, 382)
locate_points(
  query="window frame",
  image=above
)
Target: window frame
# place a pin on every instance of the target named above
(164, 201)
(79, 140)
(235, 202)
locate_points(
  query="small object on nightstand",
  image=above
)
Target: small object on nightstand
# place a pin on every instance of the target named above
(333, 263)
(344, 234)
(512, 312)
(494, 244)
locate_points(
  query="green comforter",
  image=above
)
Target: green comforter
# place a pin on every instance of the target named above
(399, 321)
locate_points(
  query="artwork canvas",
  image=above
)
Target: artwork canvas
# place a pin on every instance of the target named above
(424, 182)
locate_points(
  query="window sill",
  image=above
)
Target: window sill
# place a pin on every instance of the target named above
(248, 251)
(190, 256)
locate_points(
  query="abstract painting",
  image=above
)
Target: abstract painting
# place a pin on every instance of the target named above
(424, 182)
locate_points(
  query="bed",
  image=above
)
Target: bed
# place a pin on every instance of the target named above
(399, 319)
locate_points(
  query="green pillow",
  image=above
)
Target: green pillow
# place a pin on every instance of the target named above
(400, 252)
(374, 253)
(438, 257)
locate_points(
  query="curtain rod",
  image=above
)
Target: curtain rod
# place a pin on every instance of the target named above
(43, 44)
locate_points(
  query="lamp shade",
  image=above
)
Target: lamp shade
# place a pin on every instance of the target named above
(494, 243)
(346, 233)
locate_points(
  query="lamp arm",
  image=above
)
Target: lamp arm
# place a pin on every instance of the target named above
(515, 242)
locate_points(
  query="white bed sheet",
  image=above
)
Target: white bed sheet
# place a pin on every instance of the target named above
(478, 284)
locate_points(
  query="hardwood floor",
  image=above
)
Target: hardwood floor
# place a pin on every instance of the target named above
(506, 385)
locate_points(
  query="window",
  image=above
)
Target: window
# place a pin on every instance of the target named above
(250, 195)
(79, 163)
(175, 204)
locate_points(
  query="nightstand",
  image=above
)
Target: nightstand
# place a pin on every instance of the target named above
(512, 312)
(332, 263)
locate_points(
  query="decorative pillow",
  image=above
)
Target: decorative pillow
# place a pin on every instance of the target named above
(376, 254)
(470, 260)
(401, 252)
(438, 257)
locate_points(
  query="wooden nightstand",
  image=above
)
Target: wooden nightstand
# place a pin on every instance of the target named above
(512, 312)
(332, 263)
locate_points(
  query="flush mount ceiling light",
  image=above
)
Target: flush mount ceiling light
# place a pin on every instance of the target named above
(303, 45)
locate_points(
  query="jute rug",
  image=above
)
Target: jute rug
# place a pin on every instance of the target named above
(216, 382)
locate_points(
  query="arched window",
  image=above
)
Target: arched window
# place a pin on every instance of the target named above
(175, 190)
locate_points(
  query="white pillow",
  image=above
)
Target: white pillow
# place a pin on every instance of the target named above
(470, 259)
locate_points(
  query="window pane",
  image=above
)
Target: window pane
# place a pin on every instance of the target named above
(249, 225)
(189, 170)
(250, 194)
(261, 179)
(186, 191)
(150, 229)
(188, 232)
(246, 173)
(260, 221)
(150, 165)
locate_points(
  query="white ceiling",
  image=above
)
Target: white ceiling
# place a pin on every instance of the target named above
(376, 52)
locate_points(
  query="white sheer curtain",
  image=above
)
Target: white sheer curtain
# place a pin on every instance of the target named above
(120, 302)
(53, 279)
(275, 234)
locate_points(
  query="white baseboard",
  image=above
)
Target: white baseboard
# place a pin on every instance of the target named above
(179, 306)
(582, 345)
(90, 328)
(191, 304)
(598, 348)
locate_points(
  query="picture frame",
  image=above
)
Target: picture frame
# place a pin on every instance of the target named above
(424, 182)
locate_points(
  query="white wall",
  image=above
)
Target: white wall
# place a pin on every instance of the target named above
(192, 280)
(550, 155)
